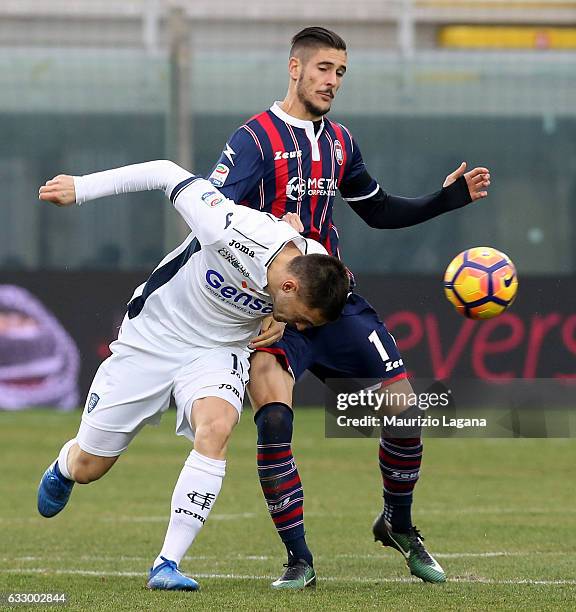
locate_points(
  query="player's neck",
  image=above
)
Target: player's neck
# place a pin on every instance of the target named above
(293, 107)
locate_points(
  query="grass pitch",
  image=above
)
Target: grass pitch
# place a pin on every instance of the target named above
(498, 514)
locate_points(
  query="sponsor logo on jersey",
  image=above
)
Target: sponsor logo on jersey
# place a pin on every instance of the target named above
(211, 198)
(233, 261)
(242, 248)
(297, 187)
(94, 399)
(234, 296)
(278, 155)
(338, 152)
(219, 175)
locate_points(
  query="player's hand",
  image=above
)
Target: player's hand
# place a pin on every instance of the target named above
(294, 220)
(270, 332)
(477, 180)
(59, 190)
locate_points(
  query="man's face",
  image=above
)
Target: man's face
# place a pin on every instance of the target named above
(320, 76)
(290, 308)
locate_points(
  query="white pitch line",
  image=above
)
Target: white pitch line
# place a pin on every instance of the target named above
(354, 579)
(564, 511)
(458, 555)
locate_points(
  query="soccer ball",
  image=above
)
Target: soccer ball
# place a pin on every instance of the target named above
(481, 283)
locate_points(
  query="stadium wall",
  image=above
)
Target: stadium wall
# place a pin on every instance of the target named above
(535, 339)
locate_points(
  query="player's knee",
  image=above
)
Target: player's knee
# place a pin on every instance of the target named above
(214, 433)
(274, 422)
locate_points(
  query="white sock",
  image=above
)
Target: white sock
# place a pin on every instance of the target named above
(194, 495)
(63, 459)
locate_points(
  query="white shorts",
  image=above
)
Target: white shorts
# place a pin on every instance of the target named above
(132, 388)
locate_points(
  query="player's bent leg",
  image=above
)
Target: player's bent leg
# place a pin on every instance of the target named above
(212, 419)
(76, 465)
(84, 467)
(270, 391)
(400, 456)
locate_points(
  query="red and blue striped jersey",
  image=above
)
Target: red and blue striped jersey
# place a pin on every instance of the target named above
(279, 164)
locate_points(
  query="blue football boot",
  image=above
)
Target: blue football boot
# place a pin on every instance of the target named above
(53, 492)
(167, 577)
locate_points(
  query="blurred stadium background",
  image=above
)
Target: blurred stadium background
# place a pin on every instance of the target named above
(91, 84)
(88, 85)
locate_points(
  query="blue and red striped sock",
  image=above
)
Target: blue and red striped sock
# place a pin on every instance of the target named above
(400, 460)
(279, 477)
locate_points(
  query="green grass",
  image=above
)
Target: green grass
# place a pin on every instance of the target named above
(514, 498)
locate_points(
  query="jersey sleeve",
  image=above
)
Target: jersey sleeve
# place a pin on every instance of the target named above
(206, 211)
(356, 183)
(240, 166)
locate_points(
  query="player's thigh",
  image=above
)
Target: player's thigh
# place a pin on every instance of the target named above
(358, 346)
(397, 396)
(130, 390)
(269, 381)
(275, 368)
(211, 373)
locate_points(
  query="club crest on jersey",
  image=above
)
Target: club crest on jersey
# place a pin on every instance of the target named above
(219, 175)
(278, 155)
(94, 399)
(211, 198)
(338, 152)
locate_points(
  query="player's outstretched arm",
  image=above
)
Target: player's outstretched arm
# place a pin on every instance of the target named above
(64, 190)
(385, 211)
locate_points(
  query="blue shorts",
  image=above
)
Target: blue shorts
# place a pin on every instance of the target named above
(357, 346)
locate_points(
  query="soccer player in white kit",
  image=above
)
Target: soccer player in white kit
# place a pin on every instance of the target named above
(186, 332)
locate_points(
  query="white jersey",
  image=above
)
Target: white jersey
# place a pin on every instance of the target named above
(211, 290)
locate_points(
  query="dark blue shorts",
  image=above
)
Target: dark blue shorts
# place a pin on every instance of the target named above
(357, 346)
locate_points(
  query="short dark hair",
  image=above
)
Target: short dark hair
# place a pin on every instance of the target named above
(316, 37)
(324, 283)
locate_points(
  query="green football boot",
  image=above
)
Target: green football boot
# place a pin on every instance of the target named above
(420, 562)
(298, 575)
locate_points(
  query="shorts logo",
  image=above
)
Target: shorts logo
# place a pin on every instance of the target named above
(211, 198)
(338, 152)
(94, 399)
(219, 175)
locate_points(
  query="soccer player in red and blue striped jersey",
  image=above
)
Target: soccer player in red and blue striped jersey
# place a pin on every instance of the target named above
(292, 159)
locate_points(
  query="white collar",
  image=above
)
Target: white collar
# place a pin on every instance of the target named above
(300, 123)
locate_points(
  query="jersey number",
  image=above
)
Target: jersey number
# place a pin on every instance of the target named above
(373, 337)
(235, 364)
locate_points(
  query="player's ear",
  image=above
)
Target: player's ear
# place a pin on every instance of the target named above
(294, 67)
(290, 285)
